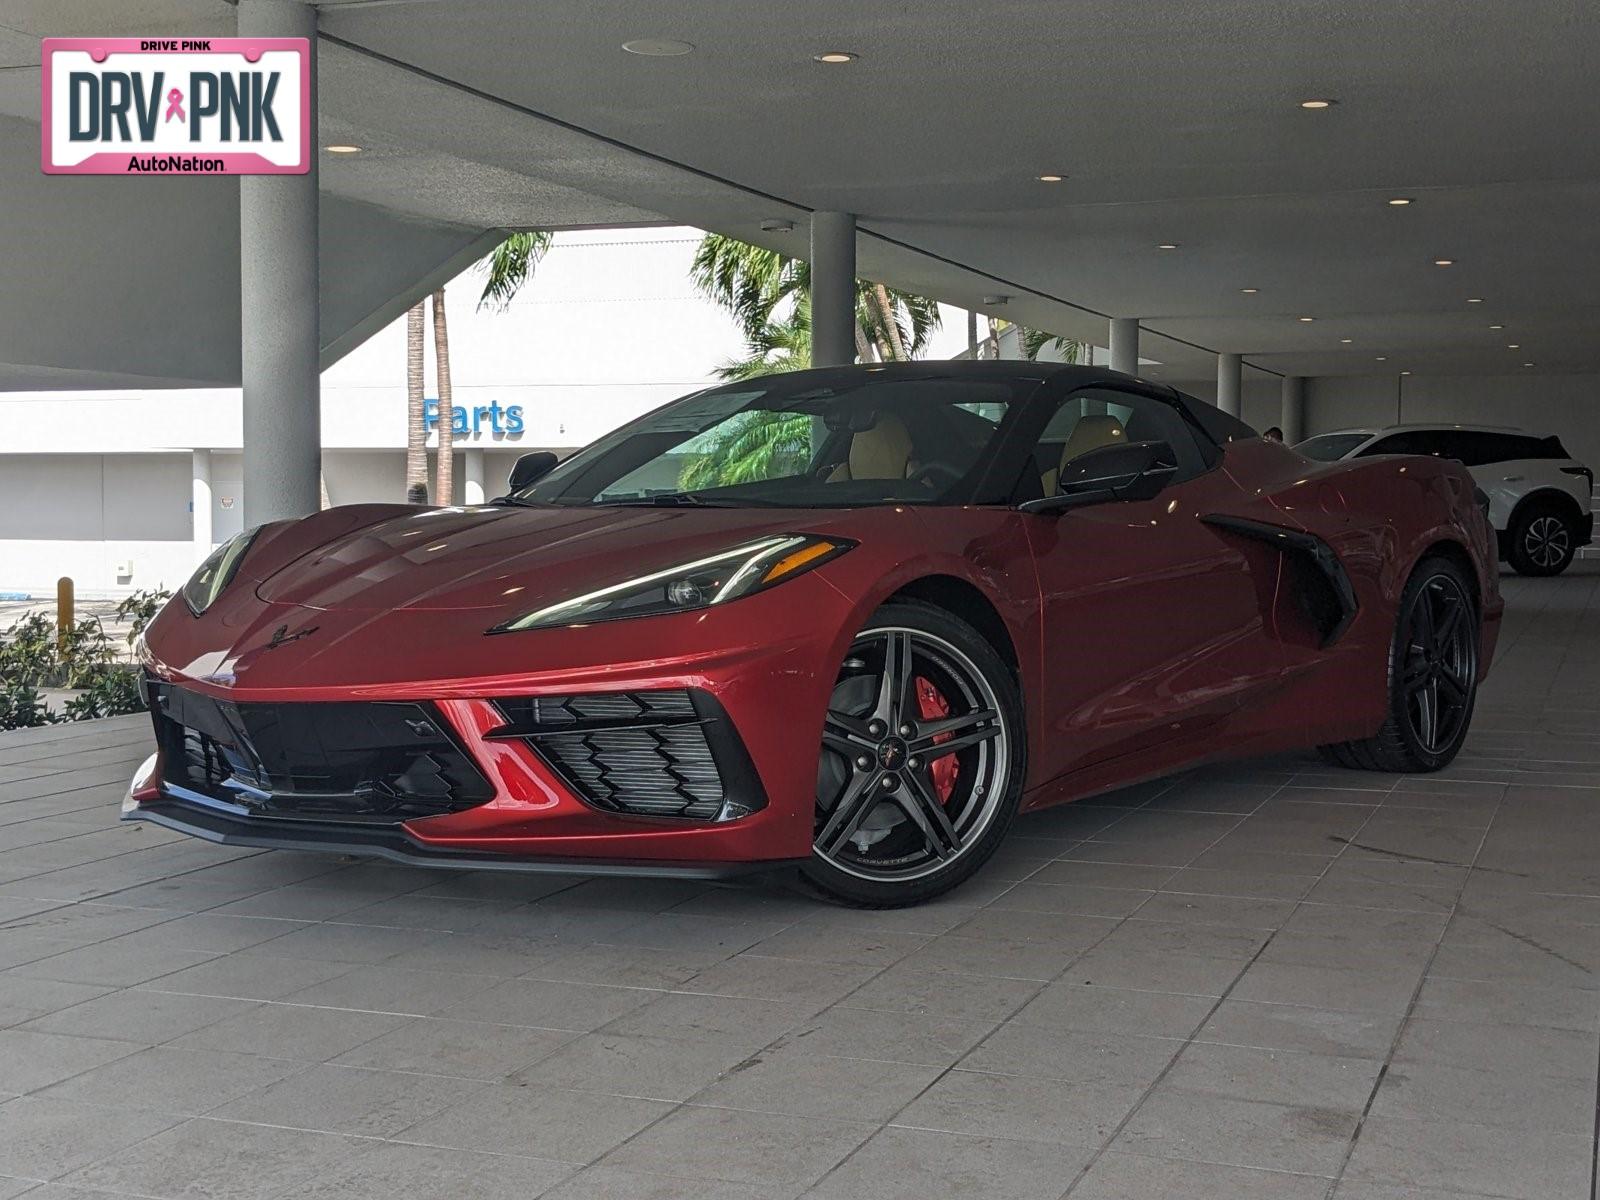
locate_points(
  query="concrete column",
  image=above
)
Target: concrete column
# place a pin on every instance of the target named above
(1230, 384)
(833, 289)
(1293, 420)
(200, 499)
(1125, 345)
(279, 323)
(472, 477)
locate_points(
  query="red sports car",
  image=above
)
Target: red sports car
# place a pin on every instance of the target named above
(851, 620)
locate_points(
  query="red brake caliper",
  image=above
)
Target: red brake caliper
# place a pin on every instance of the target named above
(932, 705)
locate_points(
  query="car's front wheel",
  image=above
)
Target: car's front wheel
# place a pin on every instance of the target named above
(1543, 539)
(922, 760)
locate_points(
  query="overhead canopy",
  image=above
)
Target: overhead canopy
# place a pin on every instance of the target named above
(1173, 124)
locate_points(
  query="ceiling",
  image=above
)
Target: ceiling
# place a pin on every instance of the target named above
(1173, 123)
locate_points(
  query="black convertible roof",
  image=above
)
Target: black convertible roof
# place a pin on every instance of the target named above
(1219, 425)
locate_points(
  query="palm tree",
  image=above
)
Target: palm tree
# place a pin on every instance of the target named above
(754, 284)
(444, 486)
(751, 447)
(416, 428)
(511, 265)
(1035, 340)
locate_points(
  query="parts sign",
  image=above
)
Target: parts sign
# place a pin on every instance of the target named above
(177, 106)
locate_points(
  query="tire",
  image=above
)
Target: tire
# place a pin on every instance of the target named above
(898, 820)
(1542, 539)
(1433, 668)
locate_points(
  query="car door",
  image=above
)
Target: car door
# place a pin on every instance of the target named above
(1155, 625)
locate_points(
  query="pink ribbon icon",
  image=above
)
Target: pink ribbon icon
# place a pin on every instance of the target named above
(175, 106)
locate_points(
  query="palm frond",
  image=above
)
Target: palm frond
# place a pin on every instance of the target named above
(511, 265)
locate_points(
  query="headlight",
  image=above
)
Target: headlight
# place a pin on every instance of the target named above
(716, 579)
(216, 572)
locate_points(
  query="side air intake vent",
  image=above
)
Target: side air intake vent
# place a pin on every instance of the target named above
(670, 753)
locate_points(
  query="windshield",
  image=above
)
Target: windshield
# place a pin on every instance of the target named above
(1330, 447)
(775, 442)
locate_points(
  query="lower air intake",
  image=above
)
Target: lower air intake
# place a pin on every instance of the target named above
(670, 753)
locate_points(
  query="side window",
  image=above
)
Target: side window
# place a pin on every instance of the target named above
(1093, 418)
(1411, 442)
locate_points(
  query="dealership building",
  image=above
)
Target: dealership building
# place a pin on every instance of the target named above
(131, 488)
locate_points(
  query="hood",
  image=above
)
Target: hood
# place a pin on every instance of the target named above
(493, 557)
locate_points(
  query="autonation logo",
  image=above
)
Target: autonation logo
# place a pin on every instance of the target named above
(171, 106)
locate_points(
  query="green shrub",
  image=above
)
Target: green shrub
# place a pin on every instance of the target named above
(141, 608)
(21, 707)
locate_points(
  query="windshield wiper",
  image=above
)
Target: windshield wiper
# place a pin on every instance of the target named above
(667, 500)
(520, 502)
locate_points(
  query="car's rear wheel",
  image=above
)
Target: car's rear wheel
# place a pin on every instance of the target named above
(1433, 676)
(922, 760)
(1543, 539)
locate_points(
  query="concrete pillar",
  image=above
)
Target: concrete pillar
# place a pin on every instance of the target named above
(833, 289)
(1125, 345)
(200, 501)
(1230, 384)
(1293, 420)
(472, 477)
(279, 332)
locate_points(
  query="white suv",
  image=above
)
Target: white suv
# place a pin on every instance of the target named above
(1539, 495)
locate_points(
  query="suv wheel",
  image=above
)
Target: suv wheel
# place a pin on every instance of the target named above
(1543, 540)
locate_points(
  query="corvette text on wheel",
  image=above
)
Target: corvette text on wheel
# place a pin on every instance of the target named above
(852, 620)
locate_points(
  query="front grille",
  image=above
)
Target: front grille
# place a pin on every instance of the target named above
(668, 753)
(341, 761)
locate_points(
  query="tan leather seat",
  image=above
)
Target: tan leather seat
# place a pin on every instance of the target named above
(882, 452)
(1094, 431)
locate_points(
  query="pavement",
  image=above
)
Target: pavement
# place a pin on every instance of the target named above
(1272, 980)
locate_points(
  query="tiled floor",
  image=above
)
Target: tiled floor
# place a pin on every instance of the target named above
(1272, 980)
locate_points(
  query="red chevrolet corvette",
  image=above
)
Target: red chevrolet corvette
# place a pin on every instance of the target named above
(851, 620)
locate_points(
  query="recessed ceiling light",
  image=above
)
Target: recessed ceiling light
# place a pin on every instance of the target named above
(1346, 341)
(1405, 372)
(1399, 201)
(1514, 346)
(657, 47)
(777, 225)
(343, 149)
(1444, 262)
(1497, 327)
(995, 301)
(1383, 358)
(1051, 178)
(1167, 246)
(1307, 320)
(836, 56)
(1249, 291)
(1527, 364)
(1474, 299)
(1318, 103)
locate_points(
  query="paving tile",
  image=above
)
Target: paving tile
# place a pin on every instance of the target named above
(1119, 1176)
(1524, 1164)
(1433, 1092)
(394, 990)
(283, 1030)
(1299, 1138)
(217, 1159)
(470, 1049)
(1513, 1050)
(1386, 991)
(1047, 1110)
(190, 1082)
(898, 1163)
(741, 1147)
(551, 1004)
(42, 1138)
(1299, 1027)
(32, 1060)
(636, 1065)
(1508, 1001)
(904, 989)
(990, 955)
(250, 976)
(795, 1080)
(541, 1122)
(351, 1100)
(1289, 1077)
(135, 1015)
(1071, 1005)
(760, 978)
(1079, 1056)
(387, 1170)
(930, 1040)
(601, 1182)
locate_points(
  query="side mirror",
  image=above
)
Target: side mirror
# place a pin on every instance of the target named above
(530, 468)
(1130, 471)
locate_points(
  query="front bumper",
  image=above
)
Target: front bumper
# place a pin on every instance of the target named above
(190, 814)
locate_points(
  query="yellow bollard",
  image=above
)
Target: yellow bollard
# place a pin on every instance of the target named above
(65, 618)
